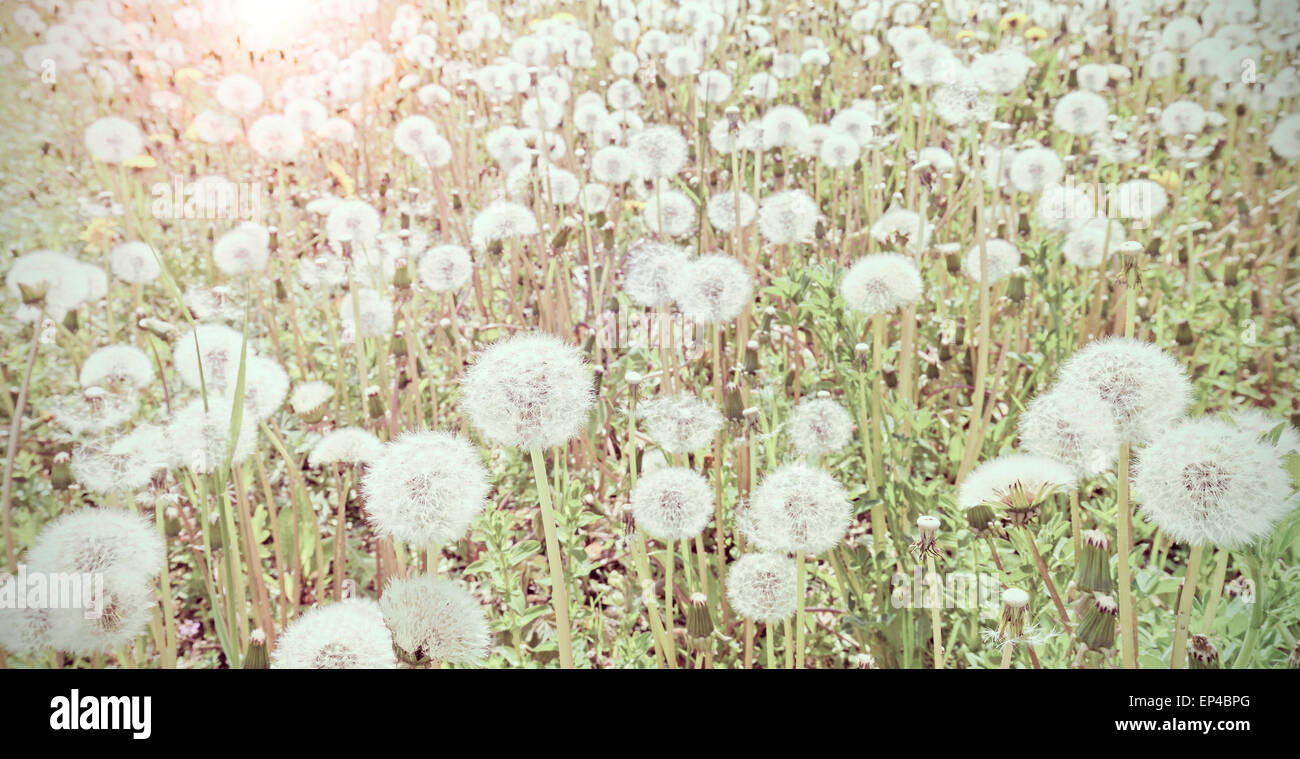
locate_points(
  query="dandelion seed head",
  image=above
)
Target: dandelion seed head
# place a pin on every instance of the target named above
(94, 411)
(58, 279)
(531, 390)
(881, 283)
(670, 213)
(1072, 425)
(903, 228)
(445, 268)
(1002, 257)
(1081, 113)
(798, 509)
(425, 488)
(348, 634)
(783, 126)
(712, 289)
(763, 587)
(1146, 389)
(994, 479)
(819, 427)
(1261, 423)
(219, 346)
(788, 217)
(243, 250)
(652, 270)
(124, 547)
(123, 465)
(371, 316)
(112, 139)
(680, 423)
(1036, 168)
(117, 364)
(660, 151)
(345, 445)
(310, 396)
(200, 437)
(276, 137)
(1208, 481)
(436, 618)
(134, 262)
(673, 503)
(502, 220)
(722, 210)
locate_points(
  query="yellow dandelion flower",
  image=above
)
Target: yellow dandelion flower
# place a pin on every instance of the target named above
(98, 234)
(188, 74)
(142, 161)
(1035, 33)
(1013, 21)
(1170, 180)
(336, 169)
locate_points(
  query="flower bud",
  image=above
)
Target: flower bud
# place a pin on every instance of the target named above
(699, 624)
(1097, 630)
(1093, 573)
(256, 656)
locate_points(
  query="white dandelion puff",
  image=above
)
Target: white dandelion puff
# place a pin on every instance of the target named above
(819, 427)
(673, 503)
(1207, 481)
(435, 619)
(348, 634)
(763, 587)
(798, 509)
(425, 488)
(531, 390)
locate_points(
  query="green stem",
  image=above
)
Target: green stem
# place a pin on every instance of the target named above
(559, 583)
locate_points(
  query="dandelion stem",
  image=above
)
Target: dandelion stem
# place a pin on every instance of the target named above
(15, 431)
(559, 583)
(1124, 530)
(1246, 657)
(935, 624)
(1178, 660)
(801, 621)
(1216, 591)
(1047, 580)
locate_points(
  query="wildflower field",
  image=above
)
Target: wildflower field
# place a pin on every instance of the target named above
(650, 334)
